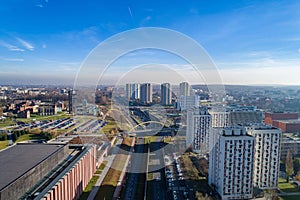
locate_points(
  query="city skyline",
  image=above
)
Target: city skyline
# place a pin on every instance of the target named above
(251, 42)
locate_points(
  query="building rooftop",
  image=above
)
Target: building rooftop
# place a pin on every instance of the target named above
(20, 158)
(290, 121)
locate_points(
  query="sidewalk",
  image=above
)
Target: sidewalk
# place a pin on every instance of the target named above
(109, 160)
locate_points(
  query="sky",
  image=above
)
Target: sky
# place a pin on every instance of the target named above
(251, 42)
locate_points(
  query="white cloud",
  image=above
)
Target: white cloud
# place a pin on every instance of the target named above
(12, 59)
(39, 5)
(145, 20)
(26, 44)
(130, 13)
(10, 47)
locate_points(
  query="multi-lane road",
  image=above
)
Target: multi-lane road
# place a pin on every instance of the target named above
(136, 177)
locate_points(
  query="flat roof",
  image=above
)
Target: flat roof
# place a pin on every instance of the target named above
(289, 121)
(20, 158)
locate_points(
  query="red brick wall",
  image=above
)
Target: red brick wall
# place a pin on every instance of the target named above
(270, 117)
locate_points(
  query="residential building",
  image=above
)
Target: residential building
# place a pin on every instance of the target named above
(219, 117)
(70, 98)
(135, 91)
(244, 115)
(166, 94)
(267, 155)
(187, 102)
(291, 144)
(128, 90)
(184, 89)
(231, 162)
(198, 129)
(146, 93)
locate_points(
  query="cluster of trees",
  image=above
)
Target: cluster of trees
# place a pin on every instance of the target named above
(292, 166)
(17, 133)
(3, 136)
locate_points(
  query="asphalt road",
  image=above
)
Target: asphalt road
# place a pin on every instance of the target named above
(138, 164)
(156, 166)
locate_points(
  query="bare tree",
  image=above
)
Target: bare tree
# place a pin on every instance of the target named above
(289, 167)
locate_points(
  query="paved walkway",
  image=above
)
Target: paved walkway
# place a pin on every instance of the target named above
(109, 160)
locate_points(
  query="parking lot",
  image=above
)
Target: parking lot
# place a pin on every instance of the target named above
(66, 125)
(175, 177)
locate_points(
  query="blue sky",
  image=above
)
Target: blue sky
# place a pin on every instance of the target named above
(251, 42)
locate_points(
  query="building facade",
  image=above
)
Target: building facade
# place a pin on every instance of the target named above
(219, 118)
(135, 91)
(267, 156)
(45, 109)
(231, 163)
(270, 117)
(288, 126)
(166, 94)
(198, 129)
(245, 117)
(184, 89)
(289, 144)
(71, 183)
(146, 93)
(70, 98)
(187, 102)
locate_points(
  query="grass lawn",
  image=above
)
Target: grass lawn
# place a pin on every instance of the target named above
(105, 192)
(88, 188)
(27, 137)
(103, 164)
(110, 125)
(6, 122)
(287, 187)
(113, 174)
(34, 117)
(3, 144)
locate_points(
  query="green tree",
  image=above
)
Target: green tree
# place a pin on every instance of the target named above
(289, 167)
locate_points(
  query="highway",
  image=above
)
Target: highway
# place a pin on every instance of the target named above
(134, 185)
(156, 166)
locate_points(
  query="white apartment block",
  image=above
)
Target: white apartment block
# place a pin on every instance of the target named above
(166, 94)
(128, 90)
(267, 155)
(187, 102)
(231, 163)
(146, 93)
(135, 91)
(220, 118)
(132, 91)
(184, 89)
(198, 129)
